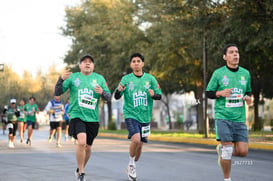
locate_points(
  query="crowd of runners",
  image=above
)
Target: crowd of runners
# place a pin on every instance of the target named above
(229, 85)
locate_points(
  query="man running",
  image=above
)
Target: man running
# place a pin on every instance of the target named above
(86, 89)
(230, 86)
(139, 90)
(30, 110)
(12, 115)
(55, 109)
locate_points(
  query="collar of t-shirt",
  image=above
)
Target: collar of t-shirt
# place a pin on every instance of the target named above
(233, 69)
(139, 76)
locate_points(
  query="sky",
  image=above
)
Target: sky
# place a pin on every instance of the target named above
(30, 35)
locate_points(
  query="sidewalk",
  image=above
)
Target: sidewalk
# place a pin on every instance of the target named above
(253, 144)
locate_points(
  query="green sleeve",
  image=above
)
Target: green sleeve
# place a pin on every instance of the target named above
(213, 83)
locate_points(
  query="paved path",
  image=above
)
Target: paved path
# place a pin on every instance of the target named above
(160, 161)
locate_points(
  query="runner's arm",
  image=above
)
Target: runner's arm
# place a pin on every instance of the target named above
(106, 96)
(156, 97)
(59, 87)
(117, 94)
(211, 94)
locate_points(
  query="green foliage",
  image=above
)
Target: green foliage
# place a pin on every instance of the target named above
(170, 34)
(112, 125)
(41, 86)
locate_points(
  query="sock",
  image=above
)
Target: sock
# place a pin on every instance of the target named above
(131, 160)
(227, 179)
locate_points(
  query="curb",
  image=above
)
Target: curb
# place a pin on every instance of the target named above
(202, 141)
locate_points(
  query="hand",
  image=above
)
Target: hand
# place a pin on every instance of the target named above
(98, 89)
(247, 99)
(151, 92)
(224, 93)
(121, 87)
(66, 74)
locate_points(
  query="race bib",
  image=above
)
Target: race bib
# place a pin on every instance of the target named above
(22, 115)
(10, 126)
(30, 113)
(88, 101)
(58, 116)
(234, 100)
(145, 131)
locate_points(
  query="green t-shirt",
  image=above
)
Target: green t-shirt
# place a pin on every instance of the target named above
(11, 115)
(22, 117)
(138, 103)
(230, 108)
(83, 100)
(31, 110)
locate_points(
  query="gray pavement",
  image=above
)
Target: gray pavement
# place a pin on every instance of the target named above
(160, 161)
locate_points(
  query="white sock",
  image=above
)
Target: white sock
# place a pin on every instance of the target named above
(227, 179)
(131, 160)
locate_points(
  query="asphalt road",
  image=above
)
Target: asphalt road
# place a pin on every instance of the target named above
(159, 162)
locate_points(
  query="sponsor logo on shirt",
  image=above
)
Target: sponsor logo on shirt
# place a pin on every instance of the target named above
(140, 98)
(147, 85)
(225, 80)
(94, 83)
(242, 81)
(77, 82)
(131, 86)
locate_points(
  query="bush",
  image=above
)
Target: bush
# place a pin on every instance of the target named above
(112, 125)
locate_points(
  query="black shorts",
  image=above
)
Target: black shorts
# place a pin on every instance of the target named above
(55, 124)
(66, 122)
(77, 126)
(12, 126)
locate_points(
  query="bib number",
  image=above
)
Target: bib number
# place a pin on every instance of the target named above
(235, 100)
(88, 102)
(145, 131)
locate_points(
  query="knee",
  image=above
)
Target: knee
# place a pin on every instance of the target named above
(136, 139)
(243, 153)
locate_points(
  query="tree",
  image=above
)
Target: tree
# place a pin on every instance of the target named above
(107, 31)
(249, 24)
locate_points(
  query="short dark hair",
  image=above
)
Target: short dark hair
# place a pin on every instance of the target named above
(137, 55)
(32, 97)
(227, 46)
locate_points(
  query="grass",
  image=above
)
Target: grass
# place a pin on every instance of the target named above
(257, 135)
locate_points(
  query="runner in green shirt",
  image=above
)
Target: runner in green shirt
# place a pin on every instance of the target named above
(12, 115)
(30, 110)
(86, 88)
(230, 86)
(21, 120)
(139, 89)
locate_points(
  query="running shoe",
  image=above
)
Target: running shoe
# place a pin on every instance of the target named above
(58, 145)
(131, 172)
(218, 149)
(49, 140)
(77, 173)
(81, 177)
(28, 142)
(11, 144)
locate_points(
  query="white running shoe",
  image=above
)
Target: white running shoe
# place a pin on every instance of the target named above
(131, 172)
(58, 145)
(76, 173)
(218, 149)
(81, 177)
(11, 144)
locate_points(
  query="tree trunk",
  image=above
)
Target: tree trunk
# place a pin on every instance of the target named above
(109, 106)
(257, 125)
(200, 114)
